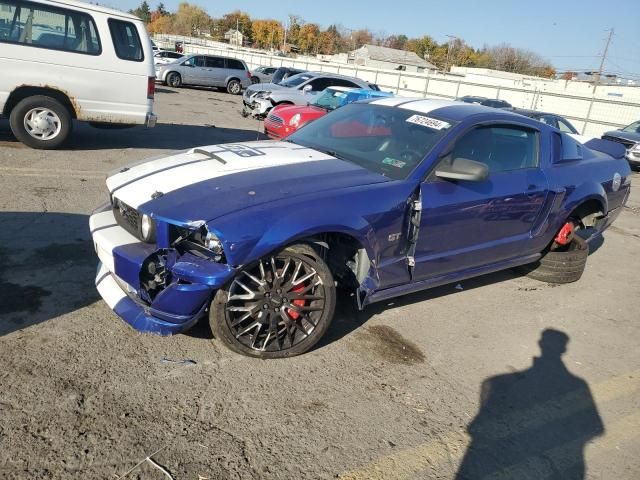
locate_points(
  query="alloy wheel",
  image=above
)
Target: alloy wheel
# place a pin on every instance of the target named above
(276, 304)
(42, 123)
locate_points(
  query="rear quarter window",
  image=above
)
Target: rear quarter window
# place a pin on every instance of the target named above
(126, 40)
(235, 64)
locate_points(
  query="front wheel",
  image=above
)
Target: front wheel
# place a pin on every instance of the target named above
(277, 307)
(174, 80)
(40, 122)
(234, 87)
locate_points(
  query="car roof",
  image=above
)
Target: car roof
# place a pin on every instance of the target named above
(94, 8)
(451, 109)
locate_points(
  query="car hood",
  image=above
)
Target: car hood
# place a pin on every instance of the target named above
(633, 137)
(267, 87)
(288, 111)
(201, 184)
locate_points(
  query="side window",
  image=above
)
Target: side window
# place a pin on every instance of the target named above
(214, 62)
(235, 64)
(341, 82)
(565, 126)
(126, 40)
(270, 70)
(48, 27)
(320, 84)
(199, 61)
(501, 148)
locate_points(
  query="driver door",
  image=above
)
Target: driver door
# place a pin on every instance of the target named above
(469, 224)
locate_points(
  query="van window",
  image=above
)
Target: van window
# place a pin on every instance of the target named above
(215, 62)
(234, 64)
(126, 40)
(48, 27)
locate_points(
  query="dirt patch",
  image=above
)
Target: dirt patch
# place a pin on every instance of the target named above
(387, 344)
(57, 253)
(622, 231)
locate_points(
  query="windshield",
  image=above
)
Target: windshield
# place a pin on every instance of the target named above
(633, 128)
(296, 80)
(330, 99)
(386, 140)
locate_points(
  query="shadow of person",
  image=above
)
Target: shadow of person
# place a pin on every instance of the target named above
(533, 424)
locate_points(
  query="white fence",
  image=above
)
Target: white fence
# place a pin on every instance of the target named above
(592, 110)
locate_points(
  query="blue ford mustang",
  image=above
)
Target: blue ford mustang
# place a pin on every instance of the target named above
(384, 198)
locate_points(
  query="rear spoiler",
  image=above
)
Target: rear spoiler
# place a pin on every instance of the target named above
(614, 149)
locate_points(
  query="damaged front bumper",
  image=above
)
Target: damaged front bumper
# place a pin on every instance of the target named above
(188, 281)
(256, 108)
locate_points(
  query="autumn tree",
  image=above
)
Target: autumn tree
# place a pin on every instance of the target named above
(161, 24)
(236, 19)
(267, 33)
(309, 37)
(293, 29)
(190, 20)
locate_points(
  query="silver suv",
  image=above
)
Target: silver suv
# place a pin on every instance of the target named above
(299, 89)
(208, 71)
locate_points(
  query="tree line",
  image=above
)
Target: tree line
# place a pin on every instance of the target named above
(311, 38)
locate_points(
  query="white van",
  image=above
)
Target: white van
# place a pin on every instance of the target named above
(64, 60)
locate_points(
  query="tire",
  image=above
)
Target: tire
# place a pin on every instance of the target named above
(41, 122)
(174, 80)
(255, 80)
(271, 329)
(557, 266)
(234, 87)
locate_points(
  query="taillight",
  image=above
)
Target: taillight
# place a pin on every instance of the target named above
(151, 88)
(248, 74)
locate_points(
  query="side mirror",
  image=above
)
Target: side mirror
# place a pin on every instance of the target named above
(307, 89)
(463, 169)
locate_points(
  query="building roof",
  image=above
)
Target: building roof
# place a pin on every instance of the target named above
(392, 55)
(232, 31)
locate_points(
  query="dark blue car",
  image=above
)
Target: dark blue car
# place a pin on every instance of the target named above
(384, 198)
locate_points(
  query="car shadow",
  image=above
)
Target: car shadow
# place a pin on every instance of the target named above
(165, 136)
(47, 267)
(533, 423)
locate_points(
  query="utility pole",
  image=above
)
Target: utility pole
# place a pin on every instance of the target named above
(604, 57)
(284, 42)
(450, 37)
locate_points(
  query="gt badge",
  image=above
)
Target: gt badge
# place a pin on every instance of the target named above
(394, 237)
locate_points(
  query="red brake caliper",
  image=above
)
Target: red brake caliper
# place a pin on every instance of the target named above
(298, 303)
(565, 235)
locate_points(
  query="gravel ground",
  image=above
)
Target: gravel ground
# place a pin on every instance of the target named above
(392, 392)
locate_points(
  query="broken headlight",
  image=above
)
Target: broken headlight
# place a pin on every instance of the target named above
(200, 242)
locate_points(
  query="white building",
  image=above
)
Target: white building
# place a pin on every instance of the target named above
(234, 37)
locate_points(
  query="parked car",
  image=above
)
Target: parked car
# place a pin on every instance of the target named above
(262, 74)
(552, 119)
(283, 120)
(98, 69)
(154, 48)
(384, 198)
(487, 102)
(208, 71)
(629, 136)
(282, 73)
(162, 57)
(299, 89)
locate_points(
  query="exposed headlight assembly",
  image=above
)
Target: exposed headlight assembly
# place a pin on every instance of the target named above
(263, 95)
(213, 243)
(636, 148)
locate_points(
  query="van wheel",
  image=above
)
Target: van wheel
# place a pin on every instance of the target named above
(234, 87)
(40, 122)
(174, 80)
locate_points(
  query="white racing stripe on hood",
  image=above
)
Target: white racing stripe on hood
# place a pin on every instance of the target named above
(137, 185)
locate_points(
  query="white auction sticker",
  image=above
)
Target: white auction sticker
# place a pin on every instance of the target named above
(428, 122)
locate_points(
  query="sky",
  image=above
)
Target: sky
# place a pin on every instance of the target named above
(571, 34)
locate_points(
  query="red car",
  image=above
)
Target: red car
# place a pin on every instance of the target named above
(283, 120)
